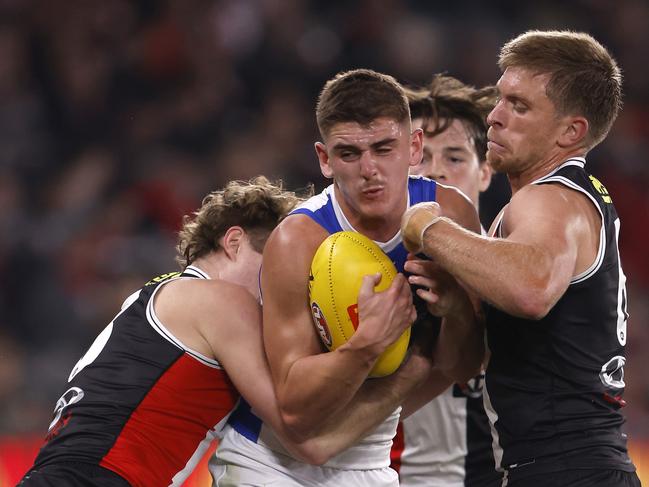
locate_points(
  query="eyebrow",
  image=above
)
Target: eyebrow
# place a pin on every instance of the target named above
(512, 97)
(456, 149)
(515, 97)
(386, 141)
(341, 146)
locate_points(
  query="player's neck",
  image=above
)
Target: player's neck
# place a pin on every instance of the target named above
(536, 171)
(380, 228)
(210, 264)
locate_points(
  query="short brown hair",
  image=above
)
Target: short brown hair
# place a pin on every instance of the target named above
(584, 78)
(446, 99)
(360, 96)
(257, 206)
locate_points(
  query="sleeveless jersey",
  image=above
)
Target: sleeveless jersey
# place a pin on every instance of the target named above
(139, 402)
(554, 386)
(373, 451)
(447, 442)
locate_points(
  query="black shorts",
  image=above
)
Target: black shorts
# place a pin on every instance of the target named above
(579, 478)
(72, 474)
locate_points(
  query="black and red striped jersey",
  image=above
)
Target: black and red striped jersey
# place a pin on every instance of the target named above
(139, 402)
(554, 386)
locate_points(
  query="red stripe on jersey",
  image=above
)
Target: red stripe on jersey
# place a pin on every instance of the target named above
(397, 448)
(165, 429)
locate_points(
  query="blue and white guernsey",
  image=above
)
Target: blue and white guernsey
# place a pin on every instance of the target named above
(373, 451)
(326, 211)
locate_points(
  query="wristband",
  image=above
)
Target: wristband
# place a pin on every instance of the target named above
(426, 227)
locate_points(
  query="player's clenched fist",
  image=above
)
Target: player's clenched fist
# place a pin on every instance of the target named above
(415, 221)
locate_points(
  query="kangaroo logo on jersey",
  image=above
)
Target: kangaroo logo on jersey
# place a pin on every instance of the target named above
(601, 189)
(321, 324)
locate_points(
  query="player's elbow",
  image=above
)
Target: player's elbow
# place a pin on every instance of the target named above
(306, 445)
(537, 291)
(297, 428)
(533, 302)
(313, 454)
(318, 458)
(307, 450)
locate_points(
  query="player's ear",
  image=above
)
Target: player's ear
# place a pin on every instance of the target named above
(574, 133)
(323, 158)
(232, 241)
(416, 146)
(484, 175)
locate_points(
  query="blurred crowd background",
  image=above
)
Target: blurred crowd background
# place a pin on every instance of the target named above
(117, 116)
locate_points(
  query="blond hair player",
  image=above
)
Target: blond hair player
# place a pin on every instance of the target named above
(551, 272)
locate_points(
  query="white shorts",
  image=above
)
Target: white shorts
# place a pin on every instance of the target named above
(234, 466)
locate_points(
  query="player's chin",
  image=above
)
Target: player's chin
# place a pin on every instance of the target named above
(374, 209)
(495, 159)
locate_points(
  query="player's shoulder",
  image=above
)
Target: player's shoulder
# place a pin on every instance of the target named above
(556, 203)
(297, 231)
(214, 309)
(421, 188)
(457, 206)
(420, 180)
(203, 296)
(452, 195)
(550, 195)
(315, 203)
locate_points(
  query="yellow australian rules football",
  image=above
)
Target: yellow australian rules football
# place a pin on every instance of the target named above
(335, 279)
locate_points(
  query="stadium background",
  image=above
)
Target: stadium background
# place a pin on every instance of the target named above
(117, 116)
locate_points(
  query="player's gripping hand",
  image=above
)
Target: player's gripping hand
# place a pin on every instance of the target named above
(383, 316)
(415, 222)
(439, 289)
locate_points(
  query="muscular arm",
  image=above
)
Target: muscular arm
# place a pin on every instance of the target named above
(223, 321)
(313, 387)
(435, 385)
(549, 234)
(375, 400)
(460, 347)
(240, 350)
(227, 320)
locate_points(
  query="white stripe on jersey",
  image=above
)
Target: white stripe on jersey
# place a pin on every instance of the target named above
(621, 292)
(164, 332)
(195, 271)
(386, 247)
(315, 202)
(599, 258)
(493, 417)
